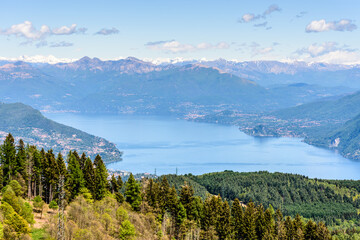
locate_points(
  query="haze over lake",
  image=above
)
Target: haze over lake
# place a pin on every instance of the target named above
(167, 144)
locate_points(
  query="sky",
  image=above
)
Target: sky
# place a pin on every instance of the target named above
(312, 31)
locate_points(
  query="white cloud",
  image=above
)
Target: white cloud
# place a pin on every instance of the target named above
(328, 52)
(64, 30)
(249, 17)
(323, 26)
(316, 49)
(106, 31)
(177, 47)
(28, 31)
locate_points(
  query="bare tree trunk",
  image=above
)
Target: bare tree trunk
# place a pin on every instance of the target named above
(29, 177)
(34, 188)
(40, 188)
(50, 194)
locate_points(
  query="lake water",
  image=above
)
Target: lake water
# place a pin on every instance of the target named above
(170, 145)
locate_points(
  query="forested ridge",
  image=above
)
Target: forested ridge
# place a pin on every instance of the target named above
(99, 206)
(325, 200)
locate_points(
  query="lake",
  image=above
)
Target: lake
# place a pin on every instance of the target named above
(172, 145)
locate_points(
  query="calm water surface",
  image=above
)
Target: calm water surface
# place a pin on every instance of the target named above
(166, 144)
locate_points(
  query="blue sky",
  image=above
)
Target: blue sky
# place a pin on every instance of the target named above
(325, 31)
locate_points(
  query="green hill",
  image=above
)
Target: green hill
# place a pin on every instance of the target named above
(345, 139)
(312, 198)
(30, 125)
(341, 109)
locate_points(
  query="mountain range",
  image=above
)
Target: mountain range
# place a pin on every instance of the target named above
(263, 97)
(134, 86)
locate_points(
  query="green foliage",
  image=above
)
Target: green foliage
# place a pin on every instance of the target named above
(22, 120)
(27, 212)
(132, 193)
(8, 159)
(89, 176)
(39, 204)
(101, 184)
(10, 197)
(16, 187)
(86, 194)
(17, 223)
(121, 214)
(75, 179)
(1, 230)
(53, 205)
(127, 231)
(320, 199)
(119, 197)
(39, 234)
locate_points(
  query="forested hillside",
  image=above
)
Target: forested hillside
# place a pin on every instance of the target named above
(102, 207)
(29, 124)
(324, 200)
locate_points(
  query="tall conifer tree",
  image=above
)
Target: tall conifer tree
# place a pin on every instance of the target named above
(101, 182)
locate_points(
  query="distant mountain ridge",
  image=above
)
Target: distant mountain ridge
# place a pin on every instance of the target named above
(134, 86)
(29, 124)
(264, 72)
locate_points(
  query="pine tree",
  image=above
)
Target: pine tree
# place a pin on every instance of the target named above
(132, 193)
(120, 182)
(310, 230)
(82, 161)
(260, 222)
(114, 185)
(75, 179)
(289, 228)
(89, 176)
(152, 194)
(322, 232)
(164, 192)
(21, 160)
(237, 219)
(101, 183)
(187, 200)
(269, 224)
(223, 224)
(8, 159)
(211, 211)
(250, 222)
(172, 202)
(298, 228)
(51, 175)
(61, 166)
(37, 170)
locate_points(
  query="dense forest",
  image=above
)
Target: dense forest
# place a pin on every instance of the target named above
(326, 200)
(99, 206)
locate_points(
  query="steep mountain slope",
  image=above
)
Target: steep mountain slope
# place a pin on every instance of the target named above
(29, 124)
(341, 109)
(345, 139)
